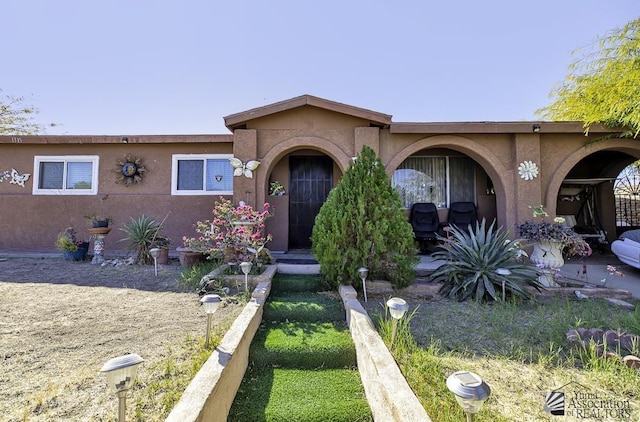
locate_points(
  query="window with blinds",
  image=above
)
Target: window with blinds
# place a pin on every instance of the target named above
(66, 175)
(439, 179)
(201, 174)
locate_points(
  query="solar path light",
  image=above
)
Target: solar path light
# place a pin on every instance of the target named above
(470, 391)
(363, 272)
(154, 252)
(210, 304)
(397, 308)
(246, 269)
(505, 272)
(121, 372)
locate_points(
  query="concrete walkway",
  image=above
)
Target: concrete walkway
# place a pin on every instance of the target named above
(591, 271)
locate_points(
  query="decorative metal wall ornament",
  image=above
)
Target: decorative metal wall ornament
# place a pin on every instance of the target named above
(16, 178)
(240, 168)
(129, 170)
(528, 170)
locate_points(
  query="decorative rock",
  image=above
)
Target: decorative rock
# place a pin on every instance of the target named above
(612, 338)
(627, 341)
(632, 361)
(573, 336)
(596, 334)
(620, 303)
(613, 356)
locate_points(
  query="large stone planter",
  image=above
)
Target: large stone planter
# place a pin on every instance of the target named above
(547, 255)
(189, 258)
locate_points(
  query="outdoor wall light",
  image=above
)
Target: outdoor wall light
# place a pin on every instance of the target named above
(246, 269)
(154, 252)
(397, 308)
(470, 391)
(121, 372)
(363, 272)
(536, 128)
(210, 304)
(505, 272)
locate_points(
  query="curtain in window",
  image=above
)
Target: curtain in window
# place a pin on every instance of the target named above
(422, 179)
(462, 178)
(434, 179)
(79, 175)
(190, 174)
(219, 169)
(51, 175)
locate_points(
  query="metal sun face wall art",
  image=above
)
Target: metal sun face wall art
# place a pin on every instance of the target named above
(129, 170)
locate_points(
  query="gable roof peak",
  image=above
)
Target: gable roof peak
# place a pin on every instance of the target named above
(238, 120)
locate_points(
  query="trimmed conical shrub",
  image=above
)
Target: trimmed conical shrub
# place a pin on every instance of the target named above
(362, 223)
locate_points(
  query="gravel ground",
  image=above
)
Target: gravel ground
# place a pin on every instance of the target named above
(61, 321)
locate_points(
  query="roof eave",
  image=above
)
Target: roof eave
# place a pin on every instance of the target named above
(497, 127)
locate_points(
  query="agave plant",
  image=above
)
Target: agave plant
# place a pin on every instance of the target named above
(479, 263)
(143, 234)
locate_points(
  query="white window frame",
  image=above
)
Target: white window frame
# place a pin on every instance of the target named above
(93, 159)
(175, 158)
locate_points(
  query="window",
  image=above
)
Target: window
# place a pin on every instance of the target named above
(65, 174)
(201, 174)
(439, 179)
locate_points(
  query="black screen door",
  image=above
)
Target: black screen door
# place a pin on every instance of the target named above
(310, 180)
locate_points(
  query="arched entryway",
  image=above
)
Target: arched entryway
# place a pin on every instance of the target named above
(443, 176)
(587, 195)
(307, 175)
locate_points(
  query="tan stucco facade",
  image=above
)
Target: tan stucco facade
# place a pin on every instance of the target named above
(306, 126)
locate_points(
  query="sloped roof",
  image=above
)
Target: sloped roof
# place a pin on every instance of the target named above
(238, 120)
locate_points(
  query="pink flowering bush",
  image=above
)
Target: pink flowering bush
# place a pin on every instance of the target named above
(233, 234)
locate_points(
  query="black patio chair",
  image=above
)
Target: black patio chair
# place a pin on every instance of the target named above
(425, 222)
(461, 215)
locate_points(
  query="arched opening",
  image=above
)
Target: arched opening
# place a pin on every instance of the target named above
(626, 191)
(586, 197)
(443, 176)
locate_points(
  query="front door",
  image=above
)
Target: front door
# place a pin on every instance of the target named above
(310, 180)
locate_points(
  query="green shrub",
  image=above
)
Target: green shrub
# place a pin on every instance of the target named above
(362, 223)
(191, 277)
(472, 261)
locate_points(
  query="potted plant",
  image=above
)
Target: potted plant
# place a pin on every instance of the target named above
(98, 222)
(143, 234)
(551, 241)
(276, 188)
(72, 248)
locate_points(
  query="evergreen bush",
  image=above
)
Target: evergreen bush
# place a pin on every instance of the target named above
(362, 223)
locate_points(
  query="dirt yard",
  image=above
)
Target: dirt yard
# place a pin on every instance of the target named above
(61, 321)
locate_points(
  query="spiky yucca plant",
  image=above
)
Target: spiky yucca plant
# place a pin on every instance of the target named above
(143, 234)
(479, 262)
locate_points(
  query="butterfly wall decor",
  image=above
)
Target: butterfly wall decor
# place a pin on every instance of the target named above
(246, 169)
(16, 178)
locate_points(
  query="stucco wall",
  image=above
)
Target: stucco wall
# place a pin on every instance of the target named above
(32, 221)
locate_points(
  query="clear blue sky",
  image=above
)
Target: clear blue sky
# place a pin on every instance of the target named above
(119, 67)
